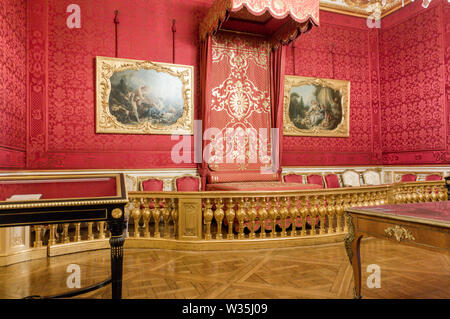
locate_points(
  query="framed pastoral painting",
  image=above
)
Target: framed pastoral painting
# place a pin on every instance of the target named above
(143, 97)
(316, 107)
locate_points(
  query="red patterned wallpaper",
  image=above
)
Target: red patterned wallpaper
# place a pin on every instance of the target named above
(412, 47)
(62, 121)
(342, 48)
(413, 61)
(13, 98)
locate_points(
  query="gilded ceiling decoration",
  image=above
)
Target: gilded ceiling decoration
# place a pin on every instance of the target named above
(364, 8)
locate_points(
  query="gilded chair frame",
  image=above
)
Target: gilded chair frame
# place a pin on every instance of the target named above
(352, 171)
(174, 181)
(141, 179)
(293, 173)
(376, 171)
(305, 177)
(338, 174)
(398, 175)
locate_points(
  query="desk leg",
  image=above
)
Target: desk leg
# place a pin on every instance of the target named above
(352, 244)
(116, 242)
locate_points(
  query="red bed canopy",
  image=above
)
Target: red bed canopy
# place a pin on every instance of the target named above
(282, 21)
(242, 80)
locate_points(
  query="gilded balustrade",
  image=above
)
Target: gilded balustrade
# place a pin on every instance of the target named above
(193, 220)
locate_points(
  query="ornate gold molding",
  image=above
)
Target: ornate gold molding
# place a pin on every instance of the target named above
(400, 233)
(350, 237)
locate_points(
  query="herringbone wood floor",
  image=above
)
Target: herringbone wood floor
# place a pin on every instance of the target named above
(303, 272)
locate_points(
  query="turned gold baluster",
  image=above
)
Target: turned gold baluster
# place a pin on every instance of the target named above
(252, 213)
(293, 212)
(66, 238)
(331, 212)
(136, 214)
(174, 214)
(37, 238)
(208, 215)
(52, 235)
(441, 193)
(273, 214)
(77, 236)
(322, 209)
(420, 195)
(339, 208)
(283, 214)
(240, 214)
(90, 231)
(262, 215)
(304, 211)
(230, 213)
(313, 211)
(377, 198)
(219, 213)
(166, 217)
(146, 215)
(156, 214)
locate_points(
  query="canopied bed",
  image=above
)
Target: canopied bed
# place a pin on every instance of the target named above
(242, 81)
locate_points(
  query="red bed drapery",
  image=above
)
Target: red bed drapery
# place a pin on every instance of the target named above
(277, 23)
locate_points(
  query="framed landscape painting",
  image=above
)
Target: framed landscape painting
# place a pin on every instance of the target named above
(316, 107)
(143, 97)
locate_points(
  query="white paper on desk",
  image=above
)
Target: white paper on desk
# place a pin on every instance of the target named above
(24, 197)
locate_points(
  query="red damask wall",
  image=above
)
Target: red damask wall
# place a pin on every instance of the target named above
(13, 98)
(62, 78)
(344, 48)
(415, 90)
(400, 82)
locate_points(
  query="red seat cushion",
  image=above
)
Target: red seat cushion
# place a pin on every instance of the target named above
(188, 184)
(433, 177)
(332, 181)
(315, 179)
(409, 178)
(293, 178)
(152, 185)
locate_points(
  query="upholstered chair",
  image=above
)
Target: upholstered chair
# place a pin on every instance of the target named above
(409, 178)
(371, 178)
(350, 178)
(332, 181)
(151, 185)
(293, 178)
(433, 177)
(188, 184)
(315, 179)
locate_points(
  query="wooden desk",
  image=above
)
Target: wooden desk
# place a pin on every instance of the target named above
(424, 225)
(67, 199)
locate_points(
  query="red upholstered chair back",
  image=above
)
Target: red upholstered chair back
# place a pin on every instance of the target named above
(433, 177)
(409, 178)
(315, 179)
(332, 181)
(293, 178)
(187, 184)
(152, 185)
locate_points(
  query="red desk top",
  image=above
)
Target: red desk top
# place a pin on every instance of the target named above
(431, 211)
(60, 188)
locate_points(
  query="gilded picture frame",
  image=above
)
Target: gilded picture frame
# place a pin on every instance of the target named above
(316, 107)
(143, 97)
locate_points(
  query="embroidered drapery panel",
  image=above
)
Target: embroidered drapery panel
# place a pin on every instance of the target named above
(303, 15)
(240, 110)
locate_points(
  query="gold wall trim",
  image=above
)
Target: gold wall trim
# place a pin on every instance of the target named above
(205, 245)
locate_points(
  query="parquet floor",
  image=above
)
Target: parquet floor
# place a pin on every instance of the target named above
(303, 272)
